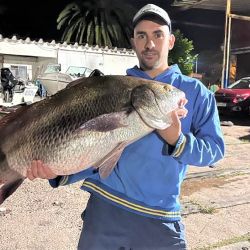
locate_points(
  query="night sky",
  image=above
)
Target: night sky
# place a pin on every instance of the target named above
(38, 20)
(35, 20)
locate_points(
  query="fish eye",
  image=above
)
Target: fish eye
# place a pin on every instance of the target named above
(168, 88)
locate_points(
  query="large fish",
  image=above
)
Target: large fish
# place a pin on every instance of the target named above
(86, 124)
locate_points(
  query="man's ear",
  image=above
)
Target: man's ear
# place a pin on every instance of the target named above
(171, 41)
(132, 42)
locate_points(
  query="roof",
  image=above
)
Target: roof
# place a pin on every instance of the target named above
(237, 6)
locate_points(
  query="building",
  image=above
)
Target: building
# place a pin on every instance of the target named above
(27, 58)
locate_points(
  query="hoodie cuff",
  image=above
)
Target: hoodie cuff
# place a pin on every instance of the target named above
(59, 181)
(176, 150)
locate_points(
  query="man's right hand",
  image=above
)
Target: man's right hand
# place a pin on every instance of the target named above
(39, 170)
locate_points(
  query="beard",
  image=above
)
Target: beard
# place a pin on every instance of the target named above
(148, 64)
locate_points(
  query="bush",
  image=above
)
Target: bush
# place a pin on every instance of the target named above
(182, 53)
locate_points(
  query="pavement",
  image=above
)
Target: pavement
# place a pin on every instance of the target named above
(216, 201)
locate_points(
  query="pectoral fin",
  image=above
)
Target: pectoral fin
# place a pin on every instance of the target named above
(106, 122)
(107, 164)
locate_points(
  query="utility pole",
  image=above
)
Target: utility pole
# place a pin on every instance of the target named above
(227, 43)
(226, 55)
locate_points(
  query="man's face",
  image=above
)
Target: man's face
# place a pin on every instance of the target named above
(152, 42)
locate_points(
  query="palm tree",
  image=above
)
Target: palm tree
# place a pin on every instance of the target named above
(97, 22)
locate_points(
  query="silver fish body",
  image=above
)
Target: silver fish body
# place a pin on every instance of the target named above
(86, 124)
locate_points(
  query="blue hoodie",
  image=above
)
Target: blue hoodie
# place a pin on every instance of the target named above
(148, 176)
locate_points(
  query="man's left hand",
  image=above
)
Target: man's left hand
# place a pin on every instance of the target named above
(172, 133)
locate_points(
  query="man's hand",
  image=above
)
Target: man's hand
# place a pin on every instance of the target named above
(39, 170)
(172, 133)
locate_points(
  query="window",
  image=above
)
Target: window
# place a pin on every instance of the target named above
(19, 72)
(241, 84)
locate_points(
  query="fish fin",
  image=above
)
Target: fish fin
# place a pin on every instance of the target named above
(96, 72)
(107, 164)
(106, 122)
(9, 188)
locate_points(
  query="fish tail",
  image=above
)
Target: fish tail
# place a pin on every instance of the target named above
(10, 179)
(9, 188)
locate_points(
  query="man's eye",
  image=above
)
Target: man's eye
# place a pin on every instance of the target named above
(158, 35)
(141, 36)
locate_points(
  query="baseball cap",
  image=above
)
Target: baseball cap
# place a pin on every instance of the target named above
(152, 9)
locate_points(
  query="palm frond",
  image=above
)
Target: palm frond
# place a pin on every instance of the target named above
(66, 11)
(90, 33)
(102, 22)
(71, 30)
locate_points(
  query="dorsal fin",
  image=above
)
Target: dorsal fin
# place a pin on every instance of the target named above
(96, 72)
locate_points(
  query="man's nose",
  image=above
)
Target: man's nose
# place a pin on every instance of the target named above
(149, 44)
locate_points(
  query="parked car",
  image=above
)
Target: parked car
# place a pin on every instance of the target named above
(235, 98)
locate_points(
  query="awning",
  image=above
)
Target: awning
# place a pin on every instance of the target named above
(238, 6)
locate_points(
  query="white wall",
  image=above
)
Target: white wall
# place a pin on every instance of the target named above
(70, 58)
(117, 64)
(37, 54)
(110, 62)
(26, 47)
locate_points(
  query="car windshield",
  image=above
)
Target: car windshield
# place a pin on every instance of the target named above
(78, 71)
(242, 84)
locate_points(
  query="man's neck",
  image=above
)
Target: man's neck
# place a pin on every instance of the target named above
(155, 72)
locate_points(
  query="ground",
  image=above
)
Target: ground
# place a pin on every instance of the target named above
(216, 205)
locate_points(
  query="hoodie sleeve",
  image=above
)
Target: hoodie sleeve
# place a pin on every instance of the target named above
(70, 179)
(204, 144)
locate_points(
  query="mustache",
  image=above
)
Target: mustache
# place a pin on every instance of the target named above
(149, 51)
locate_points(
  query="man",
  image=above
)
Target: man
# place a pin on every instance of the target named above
(137, 206)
